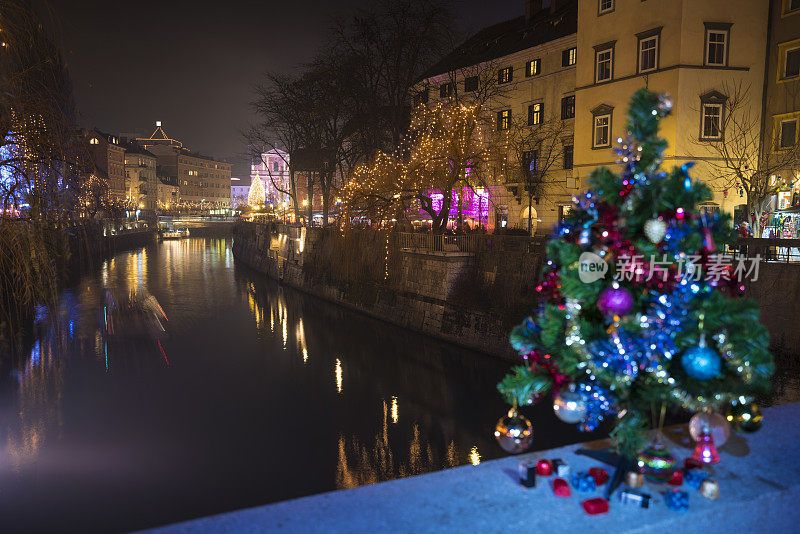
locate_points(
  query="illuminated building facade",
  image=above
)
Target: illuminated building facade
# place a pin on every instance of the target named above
(273, 171)
(141, 182)
(108, 156)
(203, 181)
(580, 61)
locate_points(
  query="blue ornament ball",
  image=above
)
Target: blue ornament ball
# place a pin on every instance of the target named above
(701, 363)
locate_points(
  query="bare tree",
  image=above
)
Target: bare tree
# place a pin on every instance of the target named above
(536, 149)
(748, 157)
(394, 42)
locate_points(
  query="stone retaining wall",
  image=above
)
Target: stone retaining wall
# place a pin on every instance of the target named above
(432, 294)
(419, 304)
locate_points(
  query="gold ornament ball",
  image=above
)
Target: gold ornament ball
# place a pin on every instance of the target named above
(745, 416)
(709, 489)
(514, 432)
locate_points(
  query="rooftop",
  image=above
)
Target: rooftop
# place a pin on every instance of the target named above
(509, 37)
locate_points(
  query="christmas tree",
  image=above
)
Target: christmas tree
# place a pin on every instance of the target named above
(256, 195)
(638, 309)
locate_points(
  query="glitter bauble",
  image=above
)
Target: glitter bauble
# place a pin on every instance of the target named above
(720, 429)
(615, 301)
(701, 363)
(745, 416)
(655, 230)
(569, 407)
(514, 432)
(656, 463)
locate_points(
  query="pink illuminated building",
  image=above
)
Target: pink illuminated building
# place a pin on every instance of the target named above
(273, 171)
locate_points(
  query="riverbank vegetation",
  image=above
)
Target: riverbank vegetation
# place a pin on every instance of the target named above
(42, 164)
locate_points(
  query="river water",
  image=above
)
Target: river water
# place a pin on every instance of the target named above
(257, 393)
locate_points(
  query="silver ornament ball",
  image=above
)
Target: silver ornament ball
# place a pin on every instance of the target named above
(514, 432)
(655, 230)
(569, 407)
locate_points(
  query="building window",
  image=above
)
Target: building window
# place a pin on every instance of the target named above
(569, 57)
(568, 107)
(712, 121)
(790, 6)
(604, 63)
(605, 6)
(568, 156)
(532, 67)
(530, 162)
(788, 134)
(447, 90)
(93, 141)
(712, 115)
(470, 84)
(601, 126)
(602, 131)
(421, 97)
(791, 63)
(535, 114)
(647, 54)
(504, 119)
(505, 75)
(716, 46)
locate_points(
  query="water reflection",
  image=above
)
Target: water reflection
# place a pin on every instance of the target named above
(427, 438)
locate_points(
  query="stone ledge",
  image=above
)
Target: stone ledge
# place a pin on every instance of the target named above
(759, 480)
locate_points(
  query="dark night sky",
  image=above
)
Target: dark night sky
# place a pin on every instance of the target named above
(192, 64)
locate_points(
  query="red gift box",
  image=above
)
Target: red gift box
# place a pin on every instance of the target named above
(677, 478)
(599, 475)
(691, 463)
(544, 468)
(561, 488)
(595, 506)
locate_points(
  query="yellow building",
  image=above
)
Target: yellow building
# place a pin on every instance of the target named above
(782, 112)
(708, 56)
(203, 181)
(531, 62)
(586, 58)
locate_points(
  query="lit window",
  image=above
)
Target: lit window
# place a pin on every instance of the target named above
(788, 134)
(648, 53)
(505, 75)
(791, 63)
(716, 45)
(530, 162)
(504, 119)
(535, 114)
(569, 57)
(604, 64)
(601, 130)
(568, 107)
(93, 141)
(605, 6)
(712, 121)
(532, 67)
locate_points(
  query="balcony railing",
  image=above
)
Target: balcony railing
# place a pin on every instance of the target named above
(774, 250)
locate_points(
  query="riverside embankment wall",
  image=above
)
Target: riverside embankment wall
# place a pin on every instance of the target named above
(448, 295)
(469, 299)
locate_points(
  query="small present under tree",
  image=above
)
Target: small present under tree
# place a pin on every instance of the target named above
(618, 336)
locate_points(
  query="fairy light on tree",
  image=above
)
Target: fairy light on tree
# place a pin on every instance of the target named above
(256, 196)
